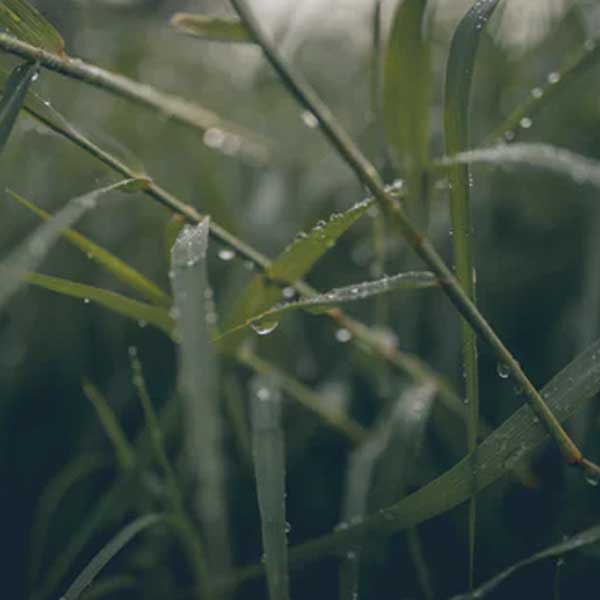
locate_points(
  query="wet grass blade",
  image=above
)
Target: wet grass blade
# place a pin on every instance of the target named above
(269, 466)
(107, 553)
(23, 21)
(13, 98)
(214, 29)
(407, 102)
(198, 388)
(324, 302)
(138, 311)
(457, 109)
(581, 169)
(30, 253)
(509, 445)
(108, 261)
(123, 449)
(579, 540)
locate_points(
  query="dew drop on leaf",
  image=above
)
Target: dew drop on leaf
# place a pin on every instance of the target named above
(503, 370)
(265, 327)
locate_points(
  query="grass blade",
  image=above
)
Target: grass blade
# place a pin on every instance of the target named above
(107, 553)
(25, 22)
(108, 261)
(140, 312)
(269, 465)
(13, 98)
(459, 80)
(407, 102)
(198, 387)
(324, 302)
(112, 428)
(30, 253)
(579, 540)
(213, 29)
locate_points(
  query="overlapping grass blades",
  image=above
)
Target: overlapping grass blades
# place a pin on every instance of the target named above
(457, 110)
(269, 466)
(214, 29)
(577, 541)
(25, 22)
(407, 102)
(107, 553)
(198, 388)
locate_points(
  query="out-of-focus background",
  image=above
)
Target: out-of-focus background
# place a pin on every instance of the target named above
(537, 247)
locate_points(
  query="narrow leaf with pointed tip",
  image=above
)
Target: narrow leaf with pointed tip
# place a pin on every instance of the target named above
(214, 29)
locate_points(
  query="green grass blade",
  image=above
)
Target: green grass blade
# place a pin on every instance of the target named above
(579, 540)
(13, 98)
(291, 265)
(459, 80)
(581, 169)
(269, 466)
(140, 312)
(198, 387)
(107, 553)
(321, 303)
(110, 585)
(214, 29)
(30, 253)
(123, 449)
(23, 21)
(108, 261)
(53, 494)
(407, 102)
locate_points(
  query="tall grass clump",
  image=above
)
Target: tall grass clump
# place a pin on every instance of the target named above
(322, 319)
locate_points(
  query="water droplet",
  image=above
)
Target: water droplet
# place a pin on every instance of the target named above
(35, 76)
(288, 527)
(309, 119)
(226, 254)
(86, 300)
(265, 327)
(343, 335)
(503, 370)
(553, 77)
(525, 122)
(592, 477)
(537, 92)
(263, 393)
(509, 135)
(141, 323)
(90, 255)
(289, 292)
(214, 137)
(132, 351)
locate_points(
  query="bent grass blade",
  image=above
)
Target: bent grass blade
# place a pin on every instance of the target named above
(213, 29)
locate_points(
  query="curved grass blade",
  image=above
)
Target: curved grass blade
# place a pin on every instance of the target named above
(52, 496)
(138, 311)
(324, 302)
(459, 80)
(30, 253)
(110, 423)
(214, 29)
(407, 101)
(13, 98)
(108, 261)
(508, 446)
(269, 466)
(107, 553)
(579, 540)
(23, 21)
(579, 63)
(581, 169)
(106, 586)
(198, 387)
(291, 265)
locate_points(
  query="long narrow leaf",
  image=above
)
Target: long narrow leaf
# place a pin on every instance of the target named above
(107, 553)
(214, 29)
(108, 261)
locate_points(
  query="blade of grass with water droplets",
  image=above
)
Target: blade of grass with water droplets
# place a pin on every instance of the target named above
(112, 427)
(324, 302)
(457, 101)
(407, 102)
(107, 553)
(138, 311)
(579, 540)
(13, 98)
(30, 253)
(23, 21)
(269, 466)
(198, 387)
(215, 29)
(108, 261)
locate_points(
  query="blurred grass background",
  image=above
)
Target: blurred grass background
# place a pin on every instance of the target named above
(537, 239)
